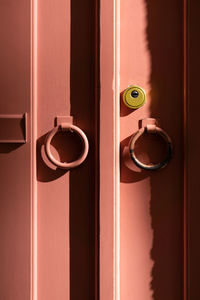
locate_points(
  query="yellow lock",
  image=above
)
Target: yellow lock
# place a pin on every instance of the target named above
(134, 97)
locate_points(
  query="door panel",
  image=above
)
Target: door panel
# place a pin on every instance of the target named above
(66, 199)
(151, 51)
(52, 185)
(15, 204)
(49, 216)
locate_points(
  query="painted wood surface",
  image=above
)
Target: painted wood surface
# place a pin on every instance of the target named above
(105, 230)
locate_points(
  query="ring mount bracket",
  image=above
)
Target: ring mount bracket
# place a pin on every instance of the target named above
(63, 119)
(147, 121)
(149, 124)
(66, 123)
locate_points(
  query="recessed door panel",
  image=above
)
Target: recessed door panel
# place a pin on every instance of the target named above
(15, 153)
(151, 214)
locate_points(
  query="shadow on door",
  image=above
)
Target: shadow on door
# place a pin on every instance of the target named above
(84, 179)
(164, 33)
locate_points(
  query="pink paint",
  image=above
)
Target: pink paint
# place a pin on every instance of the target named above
(151, 202)
(106, 229)
(53, 68)
(109, 152)
(15, 171)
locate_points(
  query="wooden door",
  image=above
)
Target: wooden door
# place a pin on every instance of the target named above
(48, 214)
(155, 220)
(106, 229)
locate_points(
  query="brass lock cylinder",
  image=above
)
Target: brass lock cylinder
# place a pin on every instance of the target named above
(134, 97)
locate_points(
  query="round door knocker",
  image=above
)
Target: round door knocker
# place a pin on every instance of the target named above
(72, 128)
(150, 127)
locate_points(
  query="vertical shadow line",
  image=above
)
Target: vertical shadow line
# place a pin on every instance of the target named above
(97, 144)
(185, 138)
(84, 181)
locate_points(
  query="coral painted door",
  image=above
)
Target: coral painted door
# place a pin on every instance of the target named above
(79, 219)
(152, 45)
(48, 223)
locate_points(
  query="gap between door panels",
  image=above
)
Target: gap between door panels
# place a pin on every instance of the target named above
(84, 210)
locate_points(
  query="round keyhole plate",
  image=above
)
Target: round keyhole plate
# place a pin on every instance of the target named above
(134, 97)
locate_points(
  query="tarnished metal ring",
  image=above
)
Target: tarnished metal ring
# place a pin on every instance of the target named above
(72, 128)
(151, 166)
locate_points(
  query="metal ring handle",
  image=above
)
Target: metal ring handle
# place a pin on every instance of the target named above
(81, 134)
(164, 135)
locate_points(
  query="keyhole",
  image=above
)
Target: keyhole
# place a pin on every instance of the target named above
(134, 94)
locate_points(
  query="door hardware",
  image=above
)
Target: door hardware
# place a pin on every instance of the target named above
(134, 97)
(149, 126)
(13, 128)
(65, 124)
